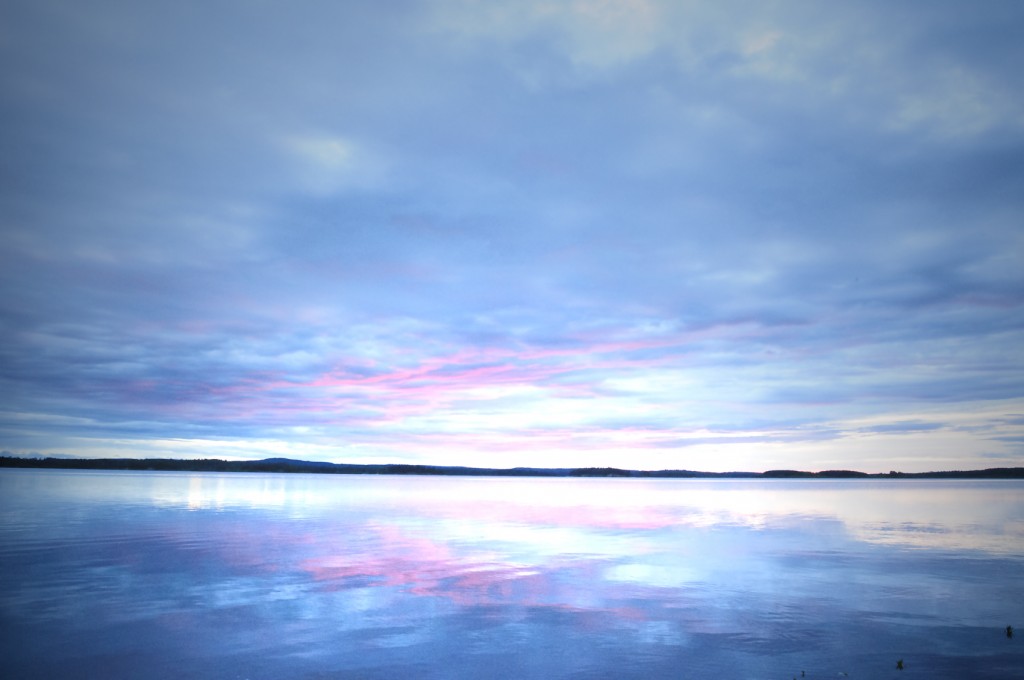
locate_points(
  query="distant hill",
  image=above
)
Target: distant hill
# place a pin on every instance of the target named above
(319, 467)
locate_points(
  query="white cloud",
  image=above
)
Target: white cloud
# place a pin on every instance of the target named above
(592, 33)
(324, 164)
(954, 104)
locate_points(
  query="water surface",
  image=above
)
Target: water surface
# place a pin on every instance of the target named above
(174, 575)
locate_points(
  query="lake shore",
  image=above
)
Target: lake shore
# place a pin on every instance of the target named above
(291, 465)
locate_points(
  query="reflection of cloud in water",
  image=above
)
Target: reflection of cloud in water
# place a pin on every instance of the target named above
(491, 544)
(468, 574)
(593, 515)
(326, 570)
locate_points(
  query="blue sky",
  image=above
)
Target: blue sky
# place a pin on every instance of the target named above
(715, 236)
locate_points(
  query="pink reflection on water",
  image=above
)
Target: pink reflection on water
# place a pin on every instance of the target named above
(387, 556)
(468, 573)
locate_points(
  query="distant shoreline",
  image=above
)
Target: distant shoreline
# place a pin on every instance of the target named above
(290, 465)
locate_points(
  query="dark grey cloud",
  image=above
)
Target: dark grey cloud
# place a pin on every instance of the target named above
(904, 427)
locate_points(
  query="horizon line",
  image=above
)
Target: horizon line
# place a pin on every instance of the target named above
(291, 465)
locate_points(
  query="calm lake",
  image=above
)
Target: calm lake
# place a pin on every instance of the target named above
(198, 575)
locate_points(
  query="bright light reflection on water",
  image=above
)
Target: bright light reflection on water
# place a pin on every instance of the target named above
(121, 574)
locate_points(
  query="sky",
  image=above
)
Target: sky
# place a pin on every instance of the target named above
(642, 234)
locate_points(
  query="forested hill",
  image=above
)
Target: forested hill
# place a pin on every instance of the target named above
(290, 465)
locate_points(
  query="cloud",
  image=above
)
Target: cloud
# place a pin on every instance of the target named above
(593, 33)
(566, 232)
(326, 164)
(904, 427)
